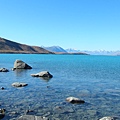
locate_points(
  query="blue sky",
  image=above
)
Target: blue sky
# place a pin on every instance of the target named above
(79, 24)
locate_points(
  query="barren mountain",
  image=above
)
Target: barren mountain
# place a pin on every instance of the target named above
(7, 46)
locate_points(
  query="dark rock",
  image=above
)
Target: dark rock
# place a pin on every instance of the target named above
(2, 113)
(44, 74)
(2, 88)
(29, 111)
(17, 84)
(74, 100)
(4, 70)
(19, 64)
(32, 117)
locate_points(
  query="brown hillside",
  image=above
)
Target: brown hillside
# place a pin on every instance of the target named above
(7, 46)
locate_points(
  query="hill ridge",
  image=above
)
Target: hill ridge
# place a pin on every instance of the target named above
(8, 46)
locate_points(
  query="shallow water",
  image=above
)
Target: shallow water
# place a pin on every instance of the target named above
(94, 79)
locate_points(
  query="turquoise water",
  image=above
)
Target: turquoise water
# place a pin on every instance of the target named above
(94, 79)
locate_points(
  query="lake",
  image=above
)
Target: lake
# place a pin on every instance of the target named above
(94, 79)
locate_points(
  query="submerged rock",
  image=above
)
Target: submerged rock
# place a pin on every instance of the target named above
(74, 100)
(19, 64)
(44, 74)
(18, 84)
(32, 117)
(4, 70)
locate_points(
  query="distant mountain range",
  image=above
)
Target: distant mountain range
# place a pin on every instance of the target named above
(96, 52)
(60, 50)
(7, 46)
(71, 51)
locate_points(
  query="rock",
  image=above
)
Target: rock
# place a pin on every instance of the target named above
(108, 118)
(2, 88)
(2, 113)
(19, 64)
(17, 84)
(74, 100)
(32, 117)
(29, 111)
(4, 70)
(45, 74)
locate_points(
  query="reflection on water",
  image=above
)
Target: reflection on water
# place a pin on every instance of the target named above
(46, 79)
(20, 72)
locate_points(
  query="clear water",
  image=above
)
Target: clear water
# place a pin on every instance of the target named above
(94, 79)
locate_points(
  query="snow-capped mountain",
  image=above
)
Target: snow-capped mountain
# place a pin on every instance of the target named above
(71, 50)
(96, 52)
(55, 49)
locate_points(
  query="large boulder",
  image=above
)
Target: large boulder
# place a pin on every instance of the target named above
(45, 74)
(74, 100)
(32, 117)
(19, 64)
(18, 84)
(4, 70)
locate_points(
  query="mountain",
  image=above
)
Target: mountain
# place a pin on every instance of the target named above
(95, 52)
(71, 50)
(102, 52)
(60, 50)
(7, 46)
(55, 49)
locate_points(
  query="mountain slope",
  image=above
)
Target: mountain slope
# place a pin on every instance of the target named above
(7, 46)
(55, 49)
